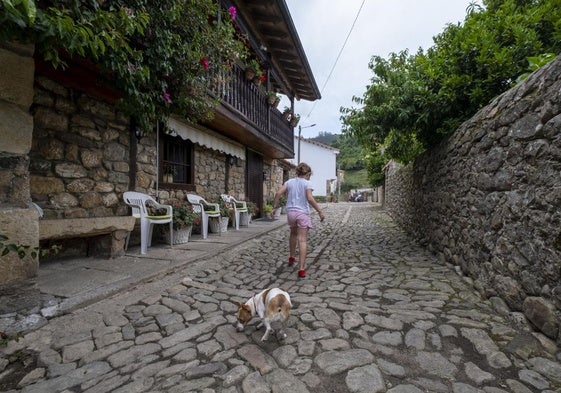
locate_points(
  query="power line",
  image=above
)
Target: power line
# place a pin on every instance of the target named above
(338, 56)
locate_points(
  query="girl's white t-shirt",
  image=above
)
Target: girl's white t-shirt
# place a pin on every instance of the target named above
(296, 194)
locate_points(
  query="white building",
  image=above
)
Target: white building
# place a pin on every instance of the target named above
(323, 161)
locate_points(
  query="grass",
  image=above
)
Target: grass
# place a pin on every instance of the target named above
(355, 179)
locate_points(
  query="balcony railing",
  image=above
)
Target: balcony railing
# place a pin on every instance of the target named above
(243, 96)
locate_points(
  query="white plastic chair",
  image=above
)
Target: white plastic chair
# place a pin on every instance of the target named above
(240, 208)
(212, 211)
(138, 202)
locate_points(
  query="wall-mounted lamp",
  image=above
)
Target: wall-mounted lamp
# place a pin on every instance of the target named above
(232, 160)
(138, 133)
(265, 176)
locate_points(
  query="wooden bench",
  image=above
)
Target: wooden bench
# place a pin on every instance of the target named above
(118, 227)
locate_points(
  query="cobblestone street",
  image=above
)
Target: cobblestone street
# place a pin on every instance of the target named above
(376, 313)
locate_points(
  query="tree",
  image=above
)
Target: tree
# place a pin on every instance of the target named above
(414, 101)
(162, 55)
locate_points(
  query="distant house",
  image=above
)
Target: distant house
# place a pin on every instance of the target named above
(322, 159)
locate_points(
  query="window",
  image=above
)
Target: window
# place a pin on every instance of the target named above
(176, 166)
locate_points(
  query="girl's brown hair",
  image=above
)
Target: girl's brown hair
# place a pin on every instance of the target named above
(303, 169)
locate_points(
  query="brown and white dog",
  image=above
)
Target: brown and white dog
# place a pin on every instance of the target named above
(272, 305)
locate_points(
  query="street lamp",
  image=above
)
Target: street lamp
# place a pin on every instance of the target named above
(299, 136)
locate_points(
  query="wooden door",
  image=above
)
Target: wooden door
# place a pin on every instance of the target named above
(254, 181)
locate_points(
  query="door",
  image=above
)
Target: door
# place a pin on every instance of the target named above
(254, 181)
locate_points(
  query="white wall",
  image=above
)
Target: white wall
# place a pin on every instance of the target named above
(321, 158)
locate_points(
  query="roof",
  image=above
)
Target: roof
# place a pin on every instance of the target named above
(323, 145)
(271, 26)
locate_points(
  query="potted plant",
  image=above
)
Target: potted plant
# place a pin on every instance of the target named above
(184, 218)
(225, 212)
(268, 210)
(287, 113)
(168, 172)
(253, 70)
(252, 209)
(294, 120)
(273, 98)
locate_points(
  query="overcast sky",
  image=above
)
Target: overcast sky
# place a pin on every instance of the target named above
(382, 27)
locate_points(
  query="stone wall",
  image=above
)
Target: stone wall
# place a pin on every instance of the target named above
(488, 199)
(80, 156)
(17, 221)
(80, 161)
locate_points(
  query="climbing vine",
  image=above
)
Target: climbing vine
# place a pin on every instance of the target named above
(161, 55)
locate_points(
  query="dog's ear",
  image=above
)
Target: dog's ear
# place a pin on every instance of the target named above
(240, 305)
(245, 307)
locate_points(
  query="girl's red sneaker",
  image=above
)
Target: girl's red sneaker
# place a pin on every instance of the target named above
(301, 273)
(291, 260)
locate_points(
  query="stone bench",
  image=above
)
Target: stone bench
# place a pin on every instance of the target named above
(118, 227)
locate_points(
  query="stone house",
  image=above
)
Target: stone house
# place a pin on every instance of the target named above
(66, 148)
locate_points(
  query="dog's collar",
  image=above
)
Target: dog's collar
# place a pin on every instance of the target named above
(254, 305)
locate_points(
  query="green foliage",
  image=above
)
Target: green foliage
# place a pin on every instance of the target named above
(375, 162)
(536, 62)
(24, 249)
(354, 179)
(183, 216)
(351, 153)
(161, 55)
(414, 101)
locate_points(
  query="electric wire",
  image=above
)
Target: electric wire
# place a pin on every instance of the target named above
(338, 56)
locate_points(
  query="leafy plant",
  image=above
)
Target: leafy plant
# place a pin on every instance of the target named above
(268, 208)
(226, 210)
(159, 55)
(414, 101)
(254, 66)
(23, 249)
(183, 216)
(536, 62)
(252, 208)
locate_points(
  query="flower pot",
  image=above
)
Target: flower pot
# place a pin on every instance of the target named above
(217, 226)
(249, 74)
(168, 178)
(271, 100)
(180, 236)
(245, 219)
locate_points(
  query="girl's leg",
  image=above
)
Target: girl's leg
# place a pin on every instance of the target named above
(302, 247)
(292, 243)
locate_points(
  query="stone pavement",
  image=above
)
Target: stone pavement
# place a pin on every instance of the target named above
(377, 313)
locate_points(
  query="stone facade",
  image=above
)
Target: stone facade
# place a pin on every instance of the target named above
(488, 199)
(17, 221)
(74, 155)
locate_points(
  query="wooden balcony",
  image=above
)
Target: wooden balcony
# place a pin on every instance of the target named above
(245, 116)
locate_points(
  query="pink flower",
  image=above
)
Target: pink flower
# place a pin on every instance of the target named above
(232, 11)
(166, 97)
(205, 63)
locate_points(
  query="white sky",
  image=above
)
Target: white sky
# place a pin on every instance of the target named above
(383, 26)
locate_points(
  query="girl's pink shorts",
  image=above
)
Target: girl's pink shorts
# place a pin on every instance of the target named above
(299, 219)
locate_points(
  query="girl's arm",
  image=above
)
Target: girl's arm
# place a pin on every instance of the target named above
(312, 201)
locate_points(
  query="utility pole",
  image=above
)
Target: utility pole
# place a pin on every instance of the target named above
(300, 136)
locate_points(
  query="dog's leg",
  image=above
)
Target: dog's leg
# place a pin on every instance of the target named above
(268, 329)
(259, 326)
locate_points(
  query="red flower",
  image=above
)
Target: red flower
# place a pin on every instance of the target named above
(232, 10)
(167, 97)
(205, 63)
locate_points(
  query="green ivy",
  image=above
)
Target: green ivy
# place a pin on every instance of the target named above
(161, 55)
